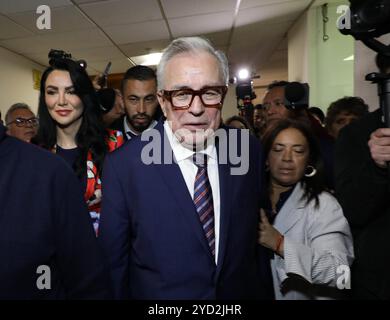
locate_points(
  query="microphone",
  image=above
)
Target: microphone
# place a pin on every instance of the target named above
(296, 96)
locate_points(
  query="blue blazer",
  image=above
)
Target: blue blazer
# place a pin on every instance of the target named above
(152, 236)
(44, 221)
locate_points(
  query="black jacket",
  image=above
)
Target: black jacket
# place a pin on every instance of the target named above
(44, 221)
(362, 189)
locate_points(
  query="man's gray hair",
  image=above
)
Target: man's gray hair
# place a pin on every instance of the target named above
(191, 45)
(16, 106)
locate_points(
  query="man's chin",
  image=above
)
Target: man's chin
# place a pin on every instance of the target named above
(196, 140)
(140, 127)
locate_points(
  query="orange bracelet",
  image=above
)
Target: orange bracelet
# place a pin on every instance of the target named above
(278, 244)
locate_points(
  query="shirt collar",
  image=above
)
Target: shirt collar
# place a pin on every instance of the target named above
(132, 132)
(181, 153)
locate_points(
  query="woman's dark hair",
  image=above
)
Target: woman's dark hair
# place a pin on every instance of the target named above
(312, 186)
(91, 136)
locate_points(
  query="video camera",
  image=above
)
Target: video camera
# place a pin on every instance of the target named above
(55, 55)
(369, 20)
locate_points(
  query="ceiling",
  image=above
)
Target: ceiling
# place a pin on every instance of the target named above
(251, 32)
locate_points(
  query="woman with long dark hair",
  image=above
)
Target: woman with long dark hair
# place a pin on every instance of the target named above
(301, 223)
(70, 125)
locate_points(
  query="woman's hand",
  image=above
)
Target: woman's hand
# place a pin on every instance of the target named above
(269, 237)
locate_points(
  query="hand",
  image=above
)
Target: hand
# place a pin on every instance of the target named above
(379, 145)
(268, 235)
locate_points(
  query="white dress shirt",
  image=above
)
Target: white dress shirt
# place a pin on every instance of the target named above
(128, 129)
(188, 169)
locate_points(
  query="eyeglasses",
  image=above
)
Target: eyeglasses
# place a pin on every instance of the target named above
(22, 122)
(211, 97)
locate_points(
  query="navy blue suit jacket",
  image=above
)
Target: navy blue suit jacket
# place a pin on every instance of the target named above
(152, 236)
(44, 221)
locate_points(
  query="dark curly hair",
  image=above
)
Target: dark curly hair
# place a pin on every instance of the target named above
(312, 186)
(352, 105)
(91, 135)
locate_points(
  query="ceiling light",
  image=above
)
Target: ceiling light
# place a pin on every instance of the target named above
(151, 59)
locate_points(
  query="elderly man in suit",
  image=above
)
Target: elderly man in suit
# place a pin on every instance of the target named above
(184, 229)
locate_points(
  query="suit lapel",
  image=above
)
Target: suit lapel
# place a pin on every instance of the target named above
(173, 178)
(290, 213)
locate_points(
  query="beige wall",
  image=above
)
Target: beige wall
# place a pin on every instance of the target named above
(321, 63)
(230, 105)
(16, 81)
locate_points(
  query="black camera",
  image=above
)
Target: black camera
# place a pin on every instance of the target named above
(55, 54)
(369, 20)
(296, 96)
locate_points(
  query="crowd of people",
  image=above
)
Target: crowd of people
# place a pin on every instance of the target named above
(313, 200)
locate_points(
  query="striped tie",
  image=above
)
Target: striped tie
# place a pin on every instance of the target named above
(203, 199)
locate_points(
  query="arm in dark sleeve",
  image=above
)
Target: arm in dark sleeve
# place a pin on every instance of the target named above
(361, 186)
(80, 260)
(114, 230)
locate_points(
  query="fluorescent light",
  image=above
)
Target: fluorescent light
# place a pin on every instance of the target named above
(350, 58)
(151, 59)
(243, 74)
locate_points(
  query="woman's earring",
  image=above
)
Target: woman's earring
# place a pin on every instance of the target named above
(310, 171)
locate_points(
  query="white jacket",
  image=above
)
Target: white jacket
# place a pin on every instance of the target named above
(316, 243)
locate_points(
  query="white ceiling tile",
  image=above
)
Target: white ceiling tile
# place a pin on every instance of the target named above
(111, 13)
(30, 5)
(117, 66)
(275, 12)
(62, 19)
(141, 48)
(259, 32)
(137, 32)
(67, 41)
(107, 53)
(10, 29)
(257, 3)
(180, 8)
(218, 39)
(39, 58)
(196, 25)
(89, 1)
